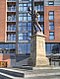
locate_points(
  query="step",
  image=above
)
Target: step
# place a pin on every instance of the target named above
(37, 68)
(33, 73)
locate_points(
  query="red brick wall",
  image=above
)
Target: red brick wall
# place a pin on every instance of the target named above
(1, 57)
(56, 10)
(2, 19)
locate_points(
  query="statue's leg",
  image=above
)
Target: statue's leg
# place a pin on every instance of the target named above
(35, 28)
(39, 27)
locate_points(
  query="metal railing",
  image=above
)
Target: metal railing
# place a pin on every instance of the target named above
(11, 19)
(11, 0)
(38, 0)
(10, 9)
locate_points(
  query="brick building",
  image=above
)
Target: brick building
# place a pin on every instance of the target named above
(15, 25)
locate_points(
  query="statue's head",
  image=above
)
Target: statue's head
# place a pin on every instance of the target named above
(35, 11)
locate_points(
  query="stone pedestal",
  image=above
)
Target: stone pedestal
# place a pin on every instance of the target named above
(38, 54)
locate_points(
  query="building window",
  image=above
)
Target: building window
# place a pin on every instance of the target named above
(29, 26)
(23, 7)
(52, 48)
(51, 3)
(11, 7)
(29, 17)
(51, 25)
(11, 37)
(39, 7)
(24, 48)
(41, 18)
(51, 15)
(11, 27)
(24, 0)
(11, 18)
(22, 28)
(8, 48)
(24, 17)
(42, 27)
(22, 36)
(51, 35)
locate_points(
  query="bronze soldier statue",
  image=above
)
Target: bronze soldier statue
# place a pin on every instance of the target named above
(35, 20)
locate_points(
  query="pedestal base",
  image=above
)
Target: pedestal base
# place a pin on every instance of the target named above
(42, 61)
(38, 54)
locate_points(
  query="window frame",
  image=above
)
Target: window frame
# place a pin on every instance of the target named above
(51, 25)
(51, 36)
(51, 15)
(50, 3)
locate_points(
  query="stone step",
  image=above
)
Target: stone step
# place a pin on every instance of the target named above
(31, 73)
(37, 68)
(48, 77)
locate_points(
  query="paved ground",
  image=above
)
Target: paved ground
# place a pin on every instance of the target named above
(16, 73)
(52, 77)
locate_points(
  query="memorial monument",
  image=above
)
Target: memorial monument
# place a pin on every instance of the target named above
(38, 55)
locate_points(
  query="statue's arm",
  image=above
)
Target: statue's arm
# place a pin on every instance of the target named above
(30, 13)
(37, 14)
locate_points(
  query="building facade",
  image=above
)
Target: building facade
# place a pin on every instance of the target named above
(16, 27)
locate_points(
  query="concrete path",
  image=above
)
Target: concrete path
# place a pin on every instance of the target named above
(17, 73)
